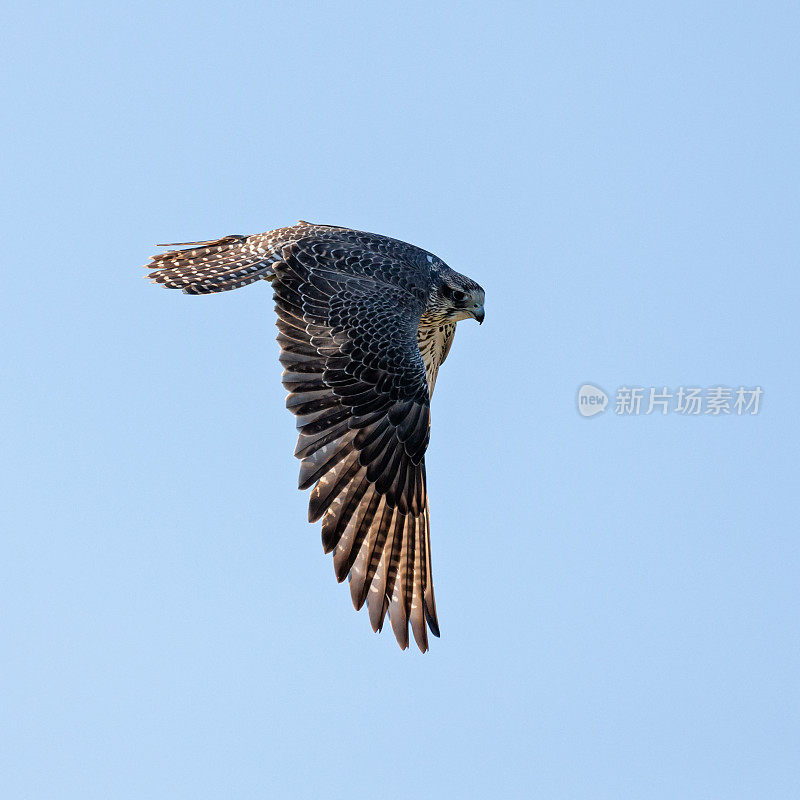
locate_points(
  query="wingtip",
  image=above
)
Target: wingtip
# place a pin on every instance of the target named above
(433, 623)
(400, 629)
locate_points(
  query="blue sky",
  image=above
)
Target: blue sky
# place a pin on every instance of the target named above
(617, 595)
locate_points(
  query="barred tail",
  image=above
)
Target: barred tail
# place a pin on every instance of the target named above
(216, 265)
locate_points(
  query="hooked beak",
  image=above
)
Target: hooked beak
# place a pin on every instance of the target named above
(477, 312)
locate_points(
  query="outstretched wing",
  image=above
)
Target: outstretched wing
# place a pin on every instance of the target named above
(348, 319)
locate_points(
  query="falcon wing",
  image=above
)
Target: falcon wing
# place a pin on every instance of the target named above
(348, 319)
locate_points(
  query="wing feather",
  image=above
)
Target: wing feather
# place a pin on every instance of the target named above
(398, 611)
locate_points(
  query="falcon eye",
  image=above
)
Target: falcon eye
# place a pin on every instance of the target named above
(453, 294)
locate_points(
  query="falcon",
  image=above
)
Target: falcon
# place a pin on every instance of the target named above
(364, 324)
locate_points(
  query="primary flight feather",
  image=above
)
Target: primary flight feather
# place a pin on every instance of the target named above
(364, 324)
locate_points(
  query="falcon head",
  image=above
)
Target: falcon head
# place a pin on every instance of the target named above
(455, 297)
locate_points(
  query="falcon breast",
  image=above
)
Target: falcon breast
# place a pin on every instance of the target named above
(364, 324)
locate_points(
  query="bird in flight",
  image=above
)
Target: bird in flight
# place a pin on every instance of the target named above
(364, 324)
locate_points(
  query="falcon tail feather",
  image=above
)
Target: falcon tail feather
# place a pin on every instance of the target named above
(217, 265)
